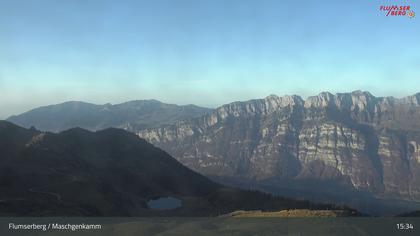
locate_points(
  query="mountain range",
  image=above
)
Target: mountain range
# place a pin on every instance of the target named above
(131, 116)
(352, 148)
(110, 173)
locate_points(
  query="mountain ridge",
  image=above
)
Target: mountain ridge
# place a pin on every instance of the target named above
(131, 115)
(365, 142)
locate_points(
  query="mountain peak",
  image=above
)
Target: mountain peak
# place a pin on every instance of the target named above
(283, 101)
(321, 100)
(266, 105)
(411, 100)
(360, 92)
(325, 94)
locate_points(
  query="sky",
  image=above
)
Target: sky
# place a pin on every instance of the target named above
(203, 52)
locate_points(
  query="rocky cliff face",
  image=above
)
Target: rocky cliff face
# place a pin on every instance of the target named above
(358, 140)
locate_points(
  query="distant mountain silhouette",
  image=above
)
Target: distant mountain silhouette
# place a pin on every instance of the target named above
(132, 116)
(109, 173)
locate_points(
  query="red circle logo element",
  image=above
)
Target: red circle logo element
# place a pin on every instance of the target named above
(410, 14)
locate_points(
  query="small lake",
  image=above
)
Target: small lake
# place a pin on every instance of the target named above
(164, 203)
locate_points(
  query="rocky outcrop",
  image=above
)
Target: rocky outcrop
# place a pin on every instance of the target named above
(359, 140)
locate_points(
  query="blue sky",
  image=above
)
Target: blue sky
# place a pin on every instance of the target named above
(206, 52)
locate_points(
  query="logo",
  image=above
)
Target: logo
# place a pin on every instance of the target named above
(396, 10)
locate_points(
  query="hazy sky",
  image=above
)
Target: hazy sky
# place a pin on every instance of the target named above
(206, 52)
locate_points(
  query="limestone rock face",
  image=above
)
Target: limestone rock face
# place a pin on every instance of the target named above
(366, 142)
